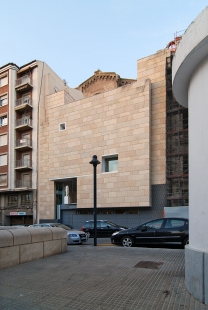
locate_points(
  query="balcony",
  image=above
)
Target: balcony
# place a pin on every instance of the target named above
(24, 123)
(23, 164)
(23, 184)
(22, 104)
(23, 144)
(23, 84)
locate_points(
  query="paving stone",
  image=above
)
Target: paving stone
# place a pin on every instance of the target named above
(99, 278)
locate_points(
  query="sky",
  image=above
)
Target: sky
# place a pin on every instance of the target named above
(77, 37)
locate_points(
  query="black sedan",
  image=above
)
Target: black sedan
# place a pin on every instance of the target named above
(158, 231)
(104, 228)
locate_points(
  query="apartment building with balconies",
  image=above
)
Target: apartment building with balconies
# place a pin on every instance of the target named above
(22, 98)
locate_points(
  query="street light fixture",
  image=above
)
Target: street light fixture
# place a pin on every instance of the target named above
(95, 162)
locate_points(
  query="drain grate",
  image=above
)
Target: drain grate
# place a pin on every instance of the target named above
(149, 265)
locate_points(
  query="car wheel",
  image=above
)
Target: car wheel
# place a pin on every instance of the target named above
(185, 241)
(88, 234)
(127, 241)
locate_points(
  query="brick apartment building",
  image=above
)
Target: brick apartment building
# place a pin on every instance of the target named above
(22, 98)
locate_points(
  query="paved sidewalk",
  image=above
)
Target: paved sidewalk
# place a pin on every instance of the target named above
(102, 277)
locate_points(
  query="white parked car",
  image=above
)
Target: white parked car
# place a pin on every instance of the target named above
(73, 236)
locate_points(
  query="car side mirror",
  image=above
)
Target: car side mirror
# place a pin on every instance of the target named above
(144, 229)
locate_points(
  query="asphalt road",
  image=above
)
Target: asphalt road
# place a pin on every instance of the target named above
(100, 241)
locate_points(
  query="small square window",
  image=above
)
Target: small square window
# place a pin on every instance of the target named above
(110, 163)
(62, 126)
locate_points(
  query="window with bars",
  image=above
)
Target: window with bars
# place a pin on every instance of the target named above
(26, 199)
(12, 199)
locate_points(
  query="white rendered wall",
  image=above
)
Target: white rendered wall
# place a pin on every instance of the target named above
(198, 157)
(190, 88)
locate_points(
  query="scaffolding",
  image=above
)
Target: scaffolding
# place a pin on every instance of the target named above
(177, 171)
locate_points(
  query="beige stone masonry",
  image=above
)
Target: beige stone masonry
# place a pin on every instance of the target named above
(114, 122)
(6, 238)
(153, 67)
(20, 245)
(30, 252)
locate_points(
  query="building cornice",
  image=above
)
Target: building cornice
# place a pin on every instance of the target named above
(8, 67)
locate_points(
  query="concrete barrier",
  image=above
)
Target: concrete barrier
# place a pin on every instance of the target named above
(21, 245)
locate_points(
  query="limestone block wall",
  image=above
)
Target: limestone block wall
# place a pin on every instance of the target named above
(153, 67)
(23, 245)
(114, 122)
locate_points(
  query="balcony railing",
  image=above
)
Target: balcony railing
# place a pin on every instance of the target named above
(23, 163)
(23, 83)
(24, 142)
(24, 122)
(23, 184)
(22, 102)
(23, 80)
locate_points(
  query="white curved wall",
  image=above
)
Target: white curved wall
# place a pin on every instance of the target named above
(198, 157)
(190, 88)
(192, 49)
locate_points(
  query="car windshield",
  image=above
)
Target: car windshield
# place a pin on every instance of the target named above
(61, 226)
(112, 224)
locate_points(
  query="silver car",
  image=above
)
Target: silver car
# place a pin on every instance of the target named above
(73, 236)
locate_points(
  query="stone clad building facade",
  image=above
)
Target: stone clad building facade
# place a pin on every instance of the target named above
(123, 122)
(134, 126)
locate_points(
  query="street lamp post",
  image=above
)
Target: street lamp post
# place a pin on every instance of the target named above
(95, 162)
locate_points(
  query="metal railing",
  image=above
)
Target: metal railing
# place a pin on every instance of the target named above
(24, 142)
(23, 163)
(23, 80)
(23, 101)
(23, 122)
(23, 183)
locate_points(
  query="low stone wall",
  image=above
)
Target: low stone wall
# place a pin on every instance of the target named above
(21, 245)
